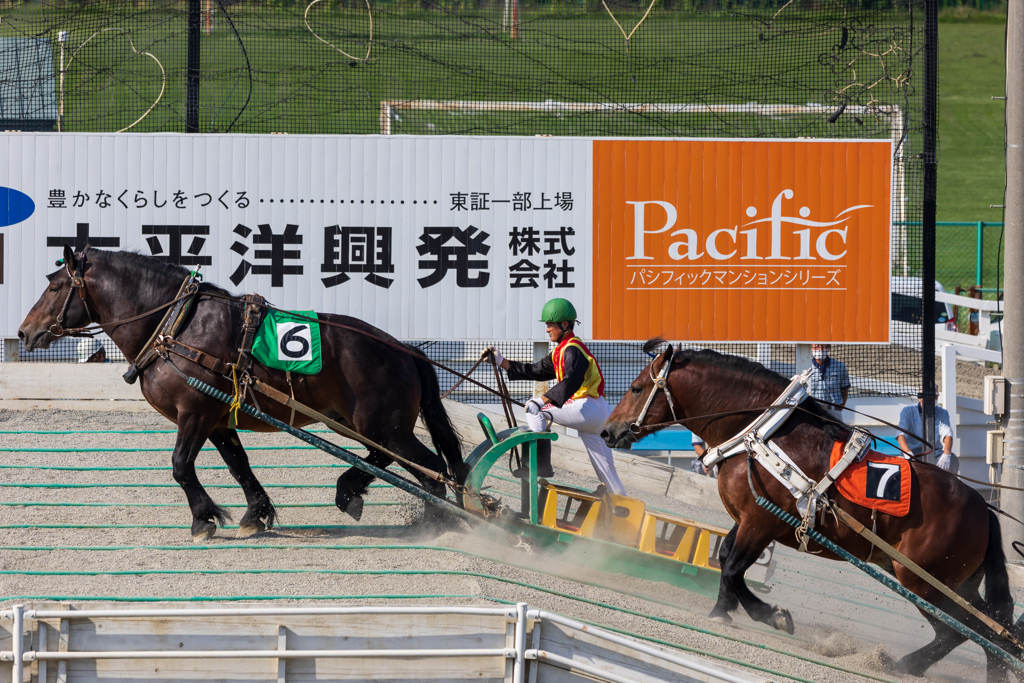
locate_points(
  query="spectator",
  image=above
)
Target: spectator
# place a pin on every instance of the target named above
(699, 449)
(912, 420)
(831, 381)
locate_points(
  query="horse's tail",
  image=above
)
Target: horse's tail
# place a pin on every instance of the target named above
(998, 599)
(435, 417)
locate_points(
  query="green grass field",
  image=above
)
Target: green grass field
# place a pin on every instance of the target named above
(971, 174)
(301, 85)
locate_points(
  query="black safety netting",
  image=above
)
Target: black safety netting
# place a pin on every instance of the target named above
(668, 68)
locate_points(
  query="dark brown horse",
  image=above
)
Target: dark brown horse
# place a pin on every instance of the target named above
(374, 387)
(949, 531)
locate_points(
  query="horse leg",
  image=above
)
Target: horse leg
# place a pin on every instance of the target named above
(193, 431)
(260, 513)
(748, 542)
(354, 482)
(410, 448)
(946, 638)
(727, 600)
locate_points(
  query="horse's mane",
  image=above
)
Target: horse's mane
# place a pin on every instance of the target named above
(148, 269)
(753, 369)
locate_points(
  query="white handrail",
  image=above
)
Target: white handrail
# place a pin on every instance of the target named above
(507, 652)
(519, 614)
(508, 612)
(968, 302)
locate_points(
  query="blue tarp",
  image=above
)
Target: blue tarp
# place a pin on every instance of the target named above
(28, 84)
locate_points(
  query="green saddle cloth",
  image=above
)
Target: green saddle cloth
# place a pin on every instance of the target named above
(285, 342)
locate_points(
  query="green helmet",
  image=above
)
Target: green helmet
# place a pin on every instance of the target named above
(558, 310)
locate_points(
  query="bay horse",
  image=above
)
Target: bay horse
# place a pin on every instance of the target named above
(950, 532)
(365, 381)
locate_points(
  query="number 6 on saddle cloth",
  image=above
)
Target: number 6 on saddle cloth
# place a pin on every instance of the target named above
(289, 343)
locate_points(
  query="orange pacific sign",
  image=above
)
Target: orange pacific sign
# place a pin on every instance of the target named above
(742, 240)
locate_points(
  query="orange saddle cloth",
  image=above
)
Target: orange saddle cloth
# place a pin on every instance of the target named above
(879, 482)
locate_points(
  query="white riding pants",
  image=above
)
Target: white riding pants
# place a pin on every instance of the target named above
(587, 416)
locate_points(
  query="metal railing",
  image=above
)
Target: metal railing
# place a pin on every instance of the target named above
(519, 615)
(19, 655)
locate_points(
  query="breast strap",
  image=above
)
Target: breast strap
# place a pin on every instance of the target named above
(766, 423)
(754, 440)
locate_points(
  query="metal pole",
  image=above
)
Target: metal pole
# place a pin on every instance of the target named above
(18, 644)
(979, 261)
(62, 36)
(1013, 306)
(195, 20)
(930, 158)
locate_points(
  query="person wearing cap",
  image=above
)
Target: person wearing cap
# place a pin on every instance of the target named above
(576, 401)
(912, 420)
(831, 381)
(90, 350)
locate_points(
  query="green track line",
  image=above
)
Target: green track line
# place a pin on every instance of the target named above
(112, 485)
(522, 584)
(127, 431)
(167, 468)
(31, 503)
(166, 449)
(277, 527)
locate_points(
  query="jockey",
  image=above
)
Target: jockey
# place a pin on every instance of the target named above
(577, 401)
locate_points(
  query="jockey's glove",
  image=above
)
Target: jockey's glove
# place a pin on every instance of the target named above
(945, 461)
(489, 351)
(533, 406)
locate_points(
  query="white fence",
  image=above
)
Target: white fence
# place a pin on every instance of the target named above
(375, 642)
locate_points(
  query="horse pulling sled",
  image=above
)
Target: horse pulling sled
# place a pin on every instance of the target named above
(784, 471)
(369, 387)
(373, 387)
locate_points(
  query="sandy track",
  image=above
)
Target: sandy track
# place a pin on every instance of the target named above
(843, 618)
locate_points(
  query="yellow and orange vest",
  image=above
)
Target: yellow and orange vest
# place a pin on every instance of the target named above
(593, 381)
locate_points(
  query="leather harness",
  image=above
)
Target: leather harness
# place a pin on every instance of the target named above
(754, 440)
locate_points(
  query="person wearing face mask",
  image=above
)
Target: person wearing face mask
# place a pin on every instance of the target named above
(576, 401)
(912, 420)
(830, 381)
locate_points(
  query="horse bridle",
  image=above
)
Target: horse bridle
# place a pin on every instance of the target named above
(77, 282)
(660, 382)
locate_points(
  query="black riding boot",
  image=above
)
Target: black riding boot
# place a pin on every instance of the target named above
(544, 468)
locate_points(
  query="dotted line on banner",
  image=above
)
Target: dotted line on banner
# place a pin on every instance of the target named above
(342, 201)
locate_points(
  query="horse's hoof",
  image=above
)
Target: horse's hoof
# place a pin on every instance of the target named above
(246, 530)
(722, 619)
(782, 620)
(910, 666)
(354, 509)
(203, 531)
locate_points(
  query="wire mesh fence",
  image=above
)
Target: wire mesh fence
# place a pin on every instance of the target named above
(756, 68)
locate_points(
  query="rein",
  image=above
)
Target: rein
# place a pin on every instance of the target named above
(661, 382)
(77, 282)
(397, 347)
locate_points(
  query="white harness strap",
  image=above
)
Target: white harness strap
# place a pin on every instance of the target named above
(766, 423)
(754, 440)
(660, 383)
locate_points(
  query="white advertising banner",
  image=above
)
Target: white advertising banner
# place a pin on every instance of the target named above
(424, 237)
(436, 237)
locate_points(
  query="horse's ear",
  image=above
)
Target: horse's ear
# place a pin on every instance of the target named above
(69, 257)
(669, 352)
